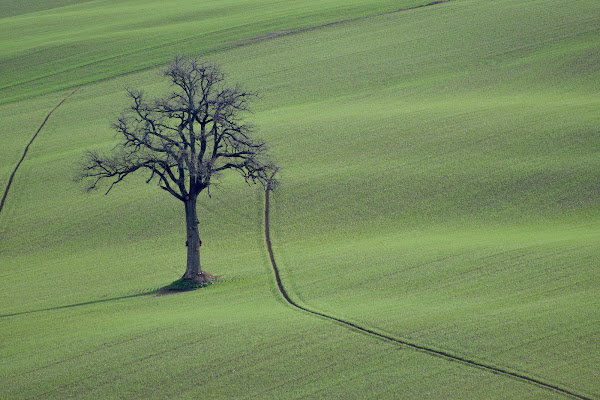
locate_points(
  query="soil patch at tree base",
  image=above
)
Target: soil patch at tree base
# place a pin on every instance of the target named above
(204, 279)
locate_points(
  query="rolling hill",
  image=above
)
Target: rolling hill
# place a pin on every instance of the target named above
(440, 186)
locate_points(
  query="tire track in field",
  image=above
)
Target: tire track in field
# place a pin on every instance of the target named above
(414, 346)
(10, 179)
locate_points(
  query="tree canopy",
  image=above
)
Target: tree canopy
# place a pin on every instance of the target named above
(184, 141)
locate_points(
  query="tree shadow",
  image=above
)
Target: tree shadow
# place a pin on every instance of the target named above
(86, 303)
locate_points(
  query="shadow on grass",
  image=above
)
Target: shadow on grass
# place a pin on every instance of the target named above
(87, 303)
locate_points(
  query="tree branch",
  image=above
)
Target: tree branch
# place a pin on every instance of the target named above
(185, 138)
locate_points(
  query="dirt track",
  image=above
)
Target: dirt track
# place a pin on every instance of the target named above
(433, 352)
(10, 179)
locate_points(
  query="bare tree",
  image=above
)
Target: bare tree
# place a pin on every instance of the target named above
(184, 141)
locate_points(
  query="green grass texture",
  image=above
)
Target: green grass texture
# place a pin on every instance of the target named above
(440, 172)
(70, 43)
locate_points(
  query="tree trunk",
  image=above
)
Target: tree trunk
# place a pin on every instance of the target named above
(193, 270)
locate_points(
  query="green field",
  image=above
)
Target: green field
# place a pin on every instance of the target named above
(440, 172)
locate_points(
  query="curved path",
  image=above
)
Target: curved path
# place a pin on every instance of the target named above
(414, 346)
(10, 179)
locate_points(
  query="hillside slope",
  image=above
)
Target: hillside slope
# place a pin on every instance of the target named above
(65, 43)
(439, 185)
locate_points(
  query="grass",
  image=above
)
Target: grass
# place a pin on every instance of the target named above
(302, 357)
(111, 38)
(439, 184)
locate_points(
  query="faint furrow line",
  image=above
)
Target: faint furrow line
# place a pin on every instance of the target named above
(222, 47)
(431, 351)
(10, 179)
(273, 35)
